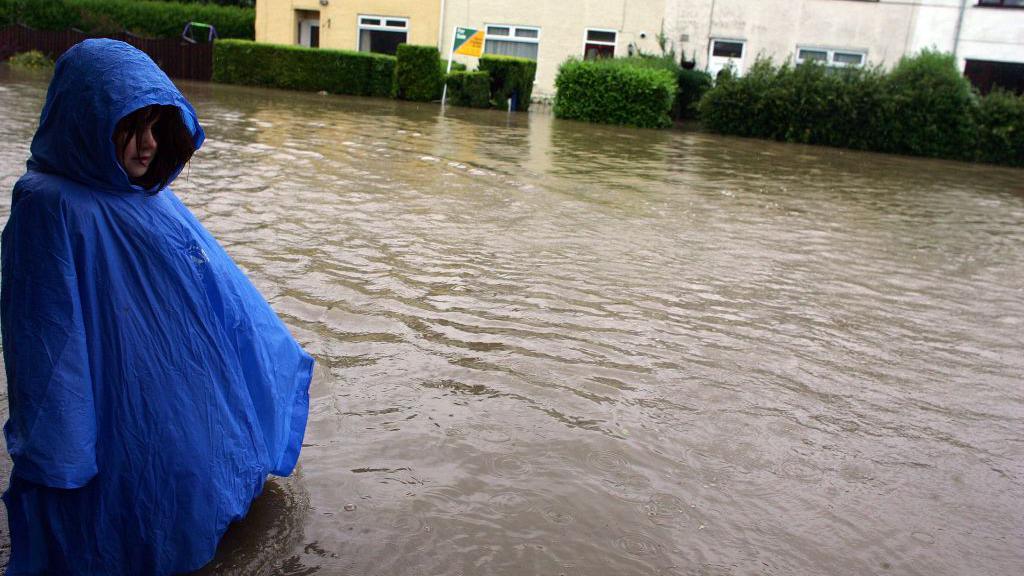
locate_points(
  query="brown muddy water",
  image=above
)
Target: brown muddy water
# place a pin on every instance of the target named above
(555, 348)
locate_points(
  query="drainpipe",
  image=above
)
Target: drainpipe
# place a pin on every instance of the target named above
(711, 23)
(440, 31)
(959, 27)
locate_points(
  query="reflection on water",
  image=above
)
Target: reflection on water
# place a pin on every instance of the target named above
(554, 348)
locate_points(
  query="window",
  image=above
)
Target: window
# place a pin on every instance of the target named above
(308, 31)
(521, 41)
(382, 34)
(830, 58)
(726, 49)
(1002, 3)
(986, 75)
(599, 44)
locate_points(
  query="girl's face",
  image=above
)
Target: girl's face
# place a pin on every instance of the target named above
(134, 156)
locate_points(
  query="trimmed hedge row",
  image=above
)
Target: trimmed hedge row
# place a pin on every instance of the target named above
(418, 76)
(472, 89)
(300, 68)
(511, 78)
(144, 18)
(242, 3)
(923, 107)
(615, 91)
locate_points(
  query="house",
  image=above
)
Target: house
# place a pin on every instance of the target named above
(551, 32)
(548, 32)
(987, 36)
(365, 25)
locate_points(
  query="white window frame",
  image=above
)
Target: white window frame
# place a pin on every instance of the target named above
(511, 37)
(587, 40)
(382, 27)
(831, 54)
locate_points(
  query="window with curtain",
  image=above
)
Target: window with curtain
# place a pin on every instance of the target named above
(519, 41)
(599, 44)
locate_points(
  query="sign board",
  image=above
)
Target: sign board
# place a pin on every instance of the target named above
(469, 42)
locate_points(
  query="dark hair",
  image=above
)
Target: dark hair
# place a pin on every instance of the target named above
(175, 144)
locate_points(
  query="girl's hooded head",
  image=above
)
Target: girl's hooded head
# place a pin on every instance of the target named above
(105, 99)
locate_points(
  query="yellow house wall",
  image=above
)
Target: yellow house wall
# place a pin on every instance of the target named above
(339, 19)
(562, 26)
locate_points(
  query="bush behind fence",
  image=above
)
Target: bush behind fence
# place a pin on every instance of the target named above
(155, 19)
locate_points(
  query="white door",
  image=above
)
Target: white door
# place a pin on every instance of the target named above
(725, 53)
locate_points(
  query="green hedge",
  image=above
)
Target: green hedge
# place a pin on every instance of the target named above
(1000, 118)
(471, 89)
(417, 75)
(808, 104)
(241, 3)
(923, 107)
(510, 75)
(152, 19)
(299, 68)
(693, 84)
(615, 91)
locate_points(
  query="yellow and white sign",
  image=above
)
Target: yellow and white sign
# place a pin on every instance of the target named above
(469, 42)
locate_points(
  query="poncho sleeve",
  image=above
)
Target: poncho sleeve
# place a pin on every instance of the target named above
(51, 432)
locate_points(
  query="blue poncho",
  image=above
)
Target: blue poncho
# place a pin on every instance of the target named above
(151, 387)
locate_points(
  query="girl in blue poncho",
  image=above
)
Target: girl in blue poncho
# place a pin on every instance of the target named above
(151, 387)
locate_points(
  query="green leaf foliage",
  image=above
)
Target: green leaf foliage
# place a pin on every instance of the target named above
(931, 104)
(923, 107)
(510, 75)
(241, 3)
(1000, 118)
(144, 18)
(30, 59)
(692, 86)
(471, 89)
(300, 68)
(418, 77)
(615, 91)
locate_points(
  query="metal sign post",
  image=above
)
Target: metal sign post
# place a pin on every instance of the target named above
(465, 41)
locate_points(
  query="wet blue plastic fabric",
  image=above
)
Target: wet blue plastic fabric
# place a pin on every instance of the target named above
(151, 387)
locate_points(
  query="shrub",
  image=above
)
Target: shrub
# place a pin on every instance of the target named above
(931, 108)
(240, 3)
(615, 92)
(510, 78)
(456, 66)
(692, 86)
(923, 107)
(30, 59)
(1000, 119)
(299, 68)
(145, 18)
(471, 89)
(417, 74)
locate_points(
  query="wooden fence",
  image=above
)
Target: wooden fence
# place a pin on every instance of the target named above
(177, 57)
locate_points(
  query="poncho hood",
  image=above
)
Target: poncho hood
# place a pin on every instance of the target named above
(95, 84)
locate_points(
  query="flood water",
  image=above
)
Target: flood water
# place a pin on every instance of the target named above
(554, 348)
